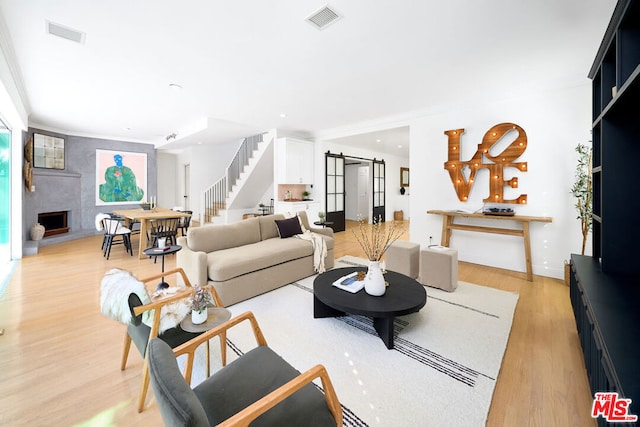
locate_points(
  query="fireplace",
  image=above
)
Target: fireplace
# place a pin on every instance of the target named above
(54, 222)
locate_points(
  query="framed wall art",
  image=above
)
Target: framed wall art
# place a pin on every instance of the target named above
(404, 177)
(48, 152)
(121, 177)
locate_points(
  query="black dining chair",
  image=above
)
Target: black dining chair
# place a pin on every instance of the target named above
(184, 222)
(115, 233)
(163, 227)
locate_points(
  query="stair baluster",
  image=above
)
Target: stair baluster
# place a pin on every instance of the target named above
(215, 196)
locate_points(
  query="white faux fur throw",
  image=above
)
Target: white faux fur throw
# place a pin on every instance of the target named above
(115, 288)
(172, 313)
(117, 285)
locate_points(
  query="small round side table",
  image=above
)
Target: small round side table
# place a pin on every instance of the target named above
(324, 224)
(162, 252)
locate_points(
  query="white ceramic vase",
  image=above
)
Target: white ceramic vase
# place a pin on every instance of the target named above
(37, 231)
(198, 318)
(374, 280)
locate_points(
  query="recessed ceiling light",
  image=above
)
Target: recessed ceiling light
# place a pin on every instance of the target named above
(283, 115)
(378, 140)
(175, 86)
(399, 146)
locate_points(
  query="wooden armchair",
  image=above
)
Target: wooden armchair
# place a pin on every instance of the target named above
(141, 334)
(259, 387)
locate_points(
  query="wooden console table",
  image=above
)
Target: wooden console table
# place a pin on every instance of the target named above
(448, 225)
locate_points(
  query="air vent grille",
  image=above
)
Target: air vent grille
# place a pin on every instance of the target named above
(65, 32)
(324, 17)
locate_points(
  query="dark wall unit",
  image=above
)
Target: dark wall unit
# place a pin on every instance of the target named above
(616, 142)
(605, 288)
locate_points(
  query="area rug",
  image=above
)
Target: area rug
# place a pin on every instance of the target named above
(442, 371)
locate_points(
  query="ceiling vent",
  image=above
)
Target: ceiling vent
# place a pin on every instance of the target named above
(65, 32)
(322, 18)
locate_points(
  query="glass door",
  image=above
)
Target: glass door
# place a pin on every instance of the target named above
(334, 167)
(378, 191)
(5, 193)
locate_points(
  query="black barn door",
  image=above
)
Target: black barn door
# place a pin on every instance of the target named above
(378, 191)
(334, 188)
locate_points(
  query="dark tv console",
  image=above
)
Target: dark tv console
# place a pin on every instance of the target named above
(607, 311)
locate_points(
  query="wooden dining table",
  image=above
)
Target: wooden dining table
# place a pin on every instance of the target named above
(144, 216)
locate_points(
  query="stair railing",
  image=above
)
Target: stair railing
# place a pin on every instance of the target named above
(215, 197)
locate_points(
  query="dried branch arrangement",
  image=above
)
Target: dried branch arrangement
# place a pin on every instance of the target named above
(375, 240)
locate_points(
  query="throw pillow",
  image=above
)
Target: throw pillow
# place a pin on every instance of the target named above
(288, 227)
(295, 214)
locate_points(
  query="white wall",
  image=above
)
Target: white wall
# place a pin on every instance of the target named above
(351, 188)
(208, 164)
(167, 177)
(555, 122)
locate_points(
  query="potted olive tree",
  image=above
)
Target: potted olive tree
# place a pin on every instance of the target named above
(581, 190)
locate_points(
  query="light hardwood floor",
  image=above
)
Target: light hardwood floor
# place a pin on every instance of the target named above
(60, 358)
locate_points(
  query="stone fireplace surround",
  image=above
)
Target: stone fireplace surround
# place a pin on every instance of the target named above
(73, 189)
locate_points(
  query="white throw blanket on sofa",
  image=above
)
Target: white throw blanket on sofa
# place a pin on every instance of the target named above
(319, 249)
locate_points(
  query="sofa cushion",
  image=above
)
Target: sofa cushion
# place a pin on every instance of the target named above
(233, 262)
(288, 227)
(268, 229)
(304, 220)
(224, 236)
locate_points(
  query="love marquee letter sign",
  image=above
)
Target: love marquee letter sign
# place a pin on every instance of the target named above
(463, 173)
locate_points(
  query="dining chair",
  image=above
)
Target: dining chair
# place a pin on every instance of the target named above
(163, 227)
(184, 222)
(100, 226)
(115, 233)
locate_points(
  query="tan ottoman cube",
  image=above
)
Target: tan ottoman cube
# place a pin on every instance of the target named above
(403, 257)
(439, 268)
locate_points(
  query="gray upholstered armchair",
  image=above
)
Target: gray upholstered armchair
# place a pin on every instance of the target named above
(259, 387)
(126, 299)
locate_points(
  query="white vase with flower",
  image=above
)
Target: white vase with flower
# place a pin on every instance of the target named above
(199, 301)
(374, 243)
(374, 280)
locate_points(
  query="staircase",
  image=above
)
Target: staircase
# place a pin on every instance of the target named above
(243, 182)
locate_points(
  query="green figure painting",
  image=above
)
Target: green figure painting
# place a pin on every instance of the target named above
(120, 184)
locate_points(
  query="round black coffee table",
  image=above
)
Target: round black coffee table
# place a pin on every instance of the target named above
(404, 295)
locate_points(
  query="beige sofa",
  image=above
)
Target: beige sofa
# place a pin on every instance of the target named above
(248, 258)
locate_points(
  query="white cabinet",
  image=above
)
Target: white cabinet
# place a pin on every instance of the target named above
(294, 161)
(312, 208)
